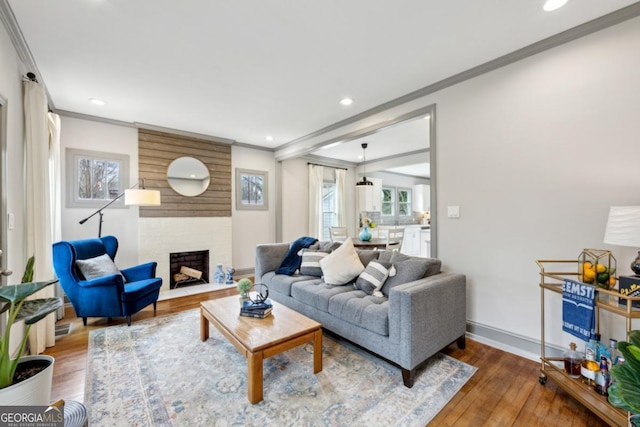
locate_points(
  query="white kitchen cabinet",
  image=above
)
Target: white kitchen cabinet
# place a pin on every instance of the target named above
(425, 243)
(421, 198)
(370, 196)
(411, 241)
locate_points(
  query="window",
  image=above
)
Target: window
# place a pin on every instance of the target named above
(251, 190)
(329, 214)
(94, 178)
(396, 204)
(388, 201)
(404, 201)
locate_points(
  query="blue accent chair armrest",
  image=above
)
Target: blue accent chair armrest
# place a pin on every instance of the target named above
(108, 296)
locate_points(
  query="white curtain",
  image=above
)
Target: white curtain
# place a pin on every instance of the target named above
(38, 205)
(316, 174)
(341, 197)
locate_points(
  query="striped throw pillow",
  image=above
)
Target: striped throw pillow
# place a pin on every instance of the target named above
(310, 265)
(374, 276)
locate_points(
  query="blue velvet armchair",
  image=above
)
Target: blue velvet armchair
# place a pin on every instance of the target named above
(111, 295)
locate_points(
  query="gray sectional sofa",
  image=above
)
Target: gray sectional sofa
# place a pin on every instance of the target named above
(417, 312)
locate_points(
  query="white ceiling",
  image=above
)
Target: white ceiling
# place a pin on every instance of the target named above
(246, 69)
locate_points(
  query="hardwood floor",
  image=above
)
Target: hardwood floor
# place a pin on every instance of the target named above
(503, 392)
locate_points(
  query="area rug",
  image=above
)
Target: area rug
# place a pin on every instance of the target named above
(157, 372)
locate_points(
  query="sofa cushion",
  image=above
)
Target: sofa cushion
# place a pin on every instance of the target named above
(282, 283)
(325, 246)
(409, 269)
(374, 276)
(385, 255)
(100, 266)
(360, 309)
(310, 265)
(367, 255)
(342, 265)
(316, 293)
(433, 264)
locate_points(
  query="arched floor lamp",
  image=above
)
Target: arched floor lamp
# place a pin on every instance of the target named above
(132, 197)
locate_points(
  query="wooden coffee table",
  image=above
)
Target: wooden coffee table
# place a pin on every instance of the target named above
(258, 339)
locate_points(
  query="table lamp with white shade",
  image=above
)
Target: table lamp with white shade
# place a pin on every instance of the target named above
(623, 229)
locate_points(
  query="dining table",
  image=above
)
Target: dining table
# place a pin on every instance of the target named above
(373, 243)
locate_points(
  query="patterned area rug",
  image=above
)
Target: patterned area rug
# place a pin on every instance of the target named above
(157, 372)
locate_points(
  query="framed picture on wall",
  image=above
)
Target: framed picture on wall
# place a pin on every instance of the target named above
(251, 190)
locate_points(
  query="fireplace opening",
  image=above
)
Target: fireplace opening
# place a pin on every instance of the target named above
(188, 268)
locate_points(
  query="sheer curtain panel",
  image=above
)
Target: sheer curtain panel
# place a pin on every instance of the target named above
(39, 233)
(341, 197)
(315, 201)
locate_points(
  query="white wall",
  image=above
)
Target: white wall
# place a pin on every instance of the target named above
(11, 72)
(251, 228)
(535, 154)
(120, 222)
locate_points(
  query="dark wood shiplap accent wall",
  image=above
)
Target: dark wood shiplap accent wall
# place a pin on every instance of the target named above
(156, 151)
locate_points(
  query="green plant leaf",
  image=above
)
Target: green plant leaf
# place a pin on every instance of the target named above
(629, 356)
(34, 310)
(634, 337)
(625, 391)
(17, 293)
(28, 270)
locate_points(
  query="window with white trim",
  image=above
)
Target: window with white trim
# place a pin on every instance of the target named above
(94, 178)
(404, 202)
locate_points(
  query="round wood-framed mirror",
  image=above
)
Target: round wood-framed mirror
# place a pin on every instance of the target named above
(188, 176)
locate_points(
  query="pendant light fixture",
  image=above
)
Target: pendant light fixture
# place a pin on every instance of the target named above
(364, 181)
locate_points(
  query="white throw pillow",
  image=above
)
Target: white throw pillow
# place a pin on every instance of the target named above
(100, 266)
(342, 265)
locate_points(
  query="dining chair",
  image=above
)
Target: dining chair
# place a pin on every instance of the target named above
(394, 239)
(338, 234)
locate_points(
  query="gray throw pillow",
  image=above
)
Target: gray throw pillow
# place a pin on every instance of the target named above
(100, 266)
(433, 266)
(310, 265)
(408, 269)
(367, 255)
(374, 276)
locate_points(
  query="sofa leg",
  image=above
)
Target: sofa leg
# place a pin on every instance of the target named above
(155, 303)
(408, 376)
(109, 319)
(84, 321)
(462, 342)
(128, 320)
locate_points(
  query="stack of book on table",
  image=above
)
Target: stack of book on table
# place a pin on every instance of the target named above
(252, 309)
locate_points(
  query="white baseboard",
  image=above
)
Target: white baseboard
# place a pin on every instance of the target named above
(512, 343)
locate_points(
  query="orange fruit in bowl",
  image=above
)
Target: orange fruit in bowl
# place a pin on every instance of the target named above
(589, 275)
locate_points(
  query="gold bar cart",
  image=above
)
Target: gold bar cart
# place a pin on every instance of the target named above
(552, 274)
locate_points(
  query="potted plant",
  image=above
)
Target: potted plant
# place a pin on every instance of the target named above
(625, 391)
(13, 300)
(244, 285)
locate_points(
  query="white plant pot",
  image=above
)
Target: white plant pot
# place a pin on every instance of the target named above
(33, 391)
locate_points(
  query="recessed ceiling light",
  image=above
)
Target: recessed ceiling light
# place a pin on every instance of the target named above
(346, 101)
(550, 5)
(96, 101)
(269, 138)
